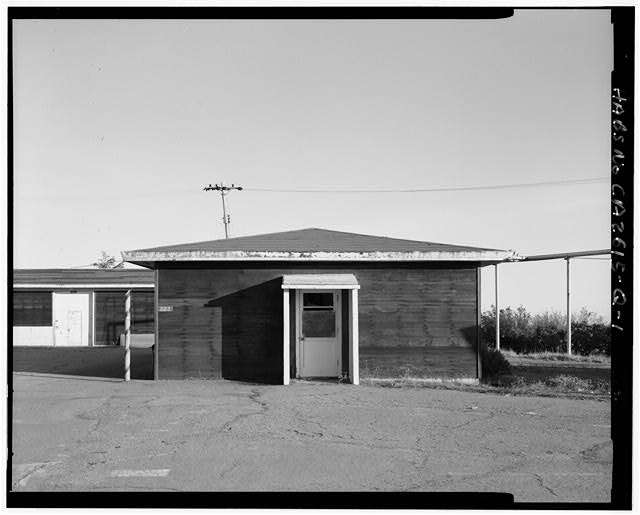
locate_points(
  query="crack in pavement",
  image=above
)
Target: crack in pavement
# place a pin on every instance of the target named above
(594, 453)
(541, 483)
(473, 421)
(254, 397)
(312, 435)
(235, 465)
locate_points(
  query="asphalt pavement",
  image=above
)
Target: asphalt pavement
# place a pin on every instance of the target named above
(73, 433)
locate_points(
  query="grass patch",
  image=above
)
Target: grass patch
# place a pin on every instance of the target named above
(577, 384)
(556, 356)
(559, 385)
(416, 382)
(570, 387)
(542, 374)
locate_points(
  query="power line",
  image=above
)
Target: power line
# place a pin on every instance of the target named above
(183, 192)
(439, 188)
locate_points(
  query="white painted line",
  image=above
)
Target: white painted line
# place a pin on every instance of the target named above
(608, 426)
(27, 470)
(140, 473)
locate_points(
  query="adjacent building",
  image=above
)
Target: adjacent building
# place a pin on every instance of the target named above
(79, 308)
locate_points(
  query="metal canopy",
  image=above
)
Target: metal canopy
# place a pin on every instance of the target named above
(566, 255)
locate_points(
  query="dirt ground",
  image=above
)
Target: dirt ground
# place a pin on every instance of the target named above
(81, 433)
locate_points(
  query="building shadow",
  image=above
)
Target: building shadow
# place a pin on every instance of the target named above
(250, 338)
(107, 362)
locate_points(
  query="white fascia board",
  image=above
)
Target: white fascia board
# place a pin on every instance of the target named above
(320, 287)
(85, 286)
(320, 256)
(320, 282)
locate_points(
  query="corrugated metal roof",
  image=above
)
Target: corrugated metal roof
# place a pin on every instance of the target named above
(68, 276)
(313, 240)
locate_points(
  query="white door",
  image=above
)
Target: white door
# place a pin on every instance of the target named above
(71, 319)
(319, 333)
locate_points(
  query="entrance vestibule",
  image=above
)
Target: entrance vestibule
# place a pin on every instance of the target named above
(319, 325)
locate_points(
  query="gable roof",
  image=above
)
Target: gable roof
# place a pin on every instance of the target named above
(314, 245)
(82, 278)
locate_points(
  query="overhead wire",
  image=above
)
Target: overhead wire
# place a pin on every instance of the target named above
(187, 191)
(591, 180)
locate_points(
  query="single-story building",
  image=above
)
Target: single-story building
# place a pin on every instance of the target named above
(316, 303)
(80, 307)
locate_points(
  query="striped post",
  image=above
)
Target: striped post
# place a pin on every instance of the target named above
(127, 336)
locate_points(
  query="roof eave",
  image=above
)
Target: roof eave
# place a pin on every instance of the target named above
(498, 256)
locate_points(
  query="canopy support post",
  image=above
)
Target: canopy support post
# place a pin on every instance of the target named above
(497, 311)
(286, 358)
(354, 365)
(569, 306)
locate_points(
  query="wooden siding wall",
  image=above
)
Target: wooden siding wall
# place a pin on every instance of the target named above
(109, 314)
(226, 321)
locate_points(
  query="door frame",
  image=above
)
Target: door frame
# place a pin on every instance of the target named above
(87, 332)
(298, 325)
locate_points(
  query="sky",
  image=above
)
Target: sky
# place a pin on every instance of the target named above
(119, 124)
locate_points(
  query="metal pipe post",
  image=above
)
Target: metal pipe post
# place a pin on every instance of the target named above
(127, 336)
(497, 312)
(569, 306)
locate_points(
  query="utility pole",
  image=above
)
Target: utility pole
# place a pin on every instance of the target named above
(224, 191)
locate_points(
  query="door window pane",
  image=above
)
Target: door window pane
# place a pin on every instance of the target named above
(319, 324)
(317, 300)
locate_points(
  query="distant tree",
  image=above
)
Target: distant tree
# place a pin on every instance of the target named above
(107, 261)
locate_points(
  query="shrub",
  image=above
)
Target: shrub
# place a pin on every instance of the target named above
(523, 333)
(590, 338)
(493, 363)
